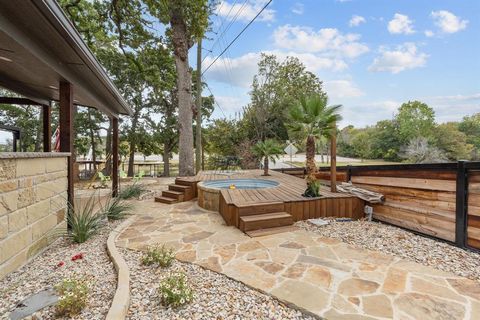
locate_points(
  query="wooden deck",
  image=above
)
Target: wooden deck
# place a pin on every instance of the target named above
(286, 197)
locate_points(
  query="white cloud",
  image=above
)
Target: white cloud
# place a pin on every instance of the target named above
(429, 33)
(401, 24)
(245, 11)
(328, 41)
(402, 58)
(298, 8)
(448, 22)
(239, 71)
(356, 21)
(453, 107)
(230, 104)
(342, 89)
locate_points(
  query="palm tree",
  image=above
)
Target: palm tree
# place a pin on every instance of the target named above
(312, 118)
(269, 151)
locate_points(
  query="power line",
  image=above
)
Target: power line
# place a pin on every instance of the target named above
(241, 32)
(216, 102)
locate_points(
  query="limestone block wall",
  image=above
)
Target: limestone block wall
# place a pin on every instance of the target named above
(33, 193)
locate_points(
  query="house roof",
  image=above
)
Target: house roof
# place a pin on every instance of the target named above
(40, 47)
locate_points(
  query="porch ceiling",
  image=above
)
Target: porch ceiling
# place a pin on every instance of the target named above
(39, 47)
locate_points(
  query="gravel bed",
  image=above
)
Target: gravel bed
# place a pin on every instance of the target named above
(43, 272)
(401, 243)
(216, 296)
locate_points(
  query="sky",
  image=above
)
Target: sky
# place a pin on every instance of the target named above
(372, 55)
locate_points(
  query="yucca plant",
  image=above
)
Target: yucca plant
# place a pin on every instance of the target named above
(84, 221)
(117, 209)
(132, 191)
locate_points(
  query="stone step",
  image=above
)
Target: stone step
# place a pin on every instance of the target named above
(264, 221)
(260, 208)
(166, 200)
(173, 194)
(270, 231)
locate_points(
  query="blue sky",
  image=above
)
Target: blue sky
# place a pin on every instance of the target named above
(372, 55)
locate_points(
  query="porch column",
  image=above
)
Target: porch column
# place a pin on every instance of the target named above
(66, 132)
(114, 157)
(333, 160)
(47, 128)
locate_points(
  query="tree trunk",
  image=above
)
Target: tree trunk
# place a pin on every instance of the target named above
(166, 161)
(198, 102)
(38, 138)
(265, 166)
(131, 159)
(108, 150)
(91, 134)
(310, 154)
(184, 85)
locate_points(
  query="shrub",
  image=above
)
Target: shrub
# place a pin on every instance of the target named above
(132, 191)
(174, 291)
(313, 189)
(162, 255)
(117, 209)
(73, 295)
(84, 221)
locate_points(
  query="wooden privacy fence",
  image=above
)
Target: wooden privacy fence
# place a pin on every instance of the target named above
(440, 200)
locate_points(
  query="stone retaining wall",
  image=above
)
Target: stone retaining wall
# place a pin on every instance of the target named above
(33, 193)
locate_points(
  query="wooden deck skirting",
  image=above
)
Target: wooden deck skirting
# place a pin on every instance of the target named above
(287, 197)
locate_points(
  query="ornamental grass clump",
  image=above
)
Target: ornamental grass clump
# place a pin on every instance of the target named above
(162, 256)
(175, 291)
(132, 191)
(117, 209)
(84, 221)
(73, 296)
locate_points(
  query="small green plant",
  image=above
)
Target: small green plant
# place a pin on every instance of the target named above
(139, 176)
(132, 191)
(73, 296)
(84, 221)
(313, 189)
(163, 256)
(175, 291)
(117, 209)
(103, 179)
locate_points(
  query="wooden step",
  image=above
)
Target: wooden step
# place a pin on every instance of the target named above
(260, 208)
(173, 194)
(270, 231)
(166, 200)
(184, 182)
(179, 187)
(266, 220)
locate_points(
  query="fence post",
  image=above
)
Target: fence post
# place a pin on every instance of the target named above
(461, 205)
(349, 173)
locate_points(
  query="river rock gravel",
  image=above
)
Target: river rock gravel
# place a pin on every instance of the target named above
(44, 272)
(216, 297)
(401, 243)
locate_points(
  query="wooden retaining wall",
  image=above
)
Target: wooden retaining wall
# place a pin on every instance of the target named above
(473, 218)
(439, 200)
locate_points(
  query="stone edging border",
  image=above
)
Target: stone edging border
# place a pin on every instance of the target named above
(121, 301)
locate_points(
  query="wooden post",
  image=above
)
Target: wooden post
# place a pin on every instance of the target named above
(461, 205)
(114, 157)
(333, 160)
(198, 104)
(47, 128)
(66, 133)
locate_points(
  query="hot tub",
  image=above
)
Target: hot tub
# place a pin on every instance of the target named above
(209, 191)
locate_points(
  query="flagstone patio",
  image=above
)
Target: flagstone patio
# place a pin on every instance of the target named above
(320, 275)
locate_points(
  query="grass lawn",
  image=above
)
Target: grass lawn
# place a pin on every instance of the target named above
(339, 164)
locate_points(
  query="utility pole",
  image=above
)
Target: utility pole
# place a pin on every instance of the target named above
(198, 102)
